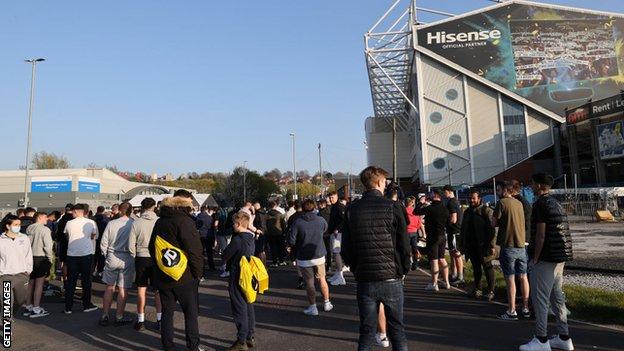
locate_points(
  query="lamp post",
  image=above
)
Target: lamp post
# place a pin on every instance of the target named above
(245, 181)
(292, 135)
(33, 62)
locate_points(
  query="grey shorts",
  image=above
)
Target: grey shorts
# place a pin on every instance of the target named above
(118, 270)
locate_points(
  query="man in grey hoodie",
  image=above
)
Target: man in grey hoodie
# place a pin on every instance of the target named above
(119, 264)
(41, 243)
(138, 243)
(306, 237)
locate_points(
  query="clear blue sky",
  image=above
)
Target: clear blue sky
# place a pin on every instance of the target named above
(176, 86)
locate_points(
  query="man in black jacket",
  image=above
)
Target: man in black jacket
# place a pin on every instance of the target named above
(550, 248)
(325, 211)
(376, 247)
(176, 226)
(334, 230)
(275, 233)
(61, 239)
(436, 219)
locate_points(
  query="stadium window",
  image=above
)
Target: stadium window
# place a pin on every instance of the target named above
(439, 163)
(515, 132)
(452, 94)
(435, 117)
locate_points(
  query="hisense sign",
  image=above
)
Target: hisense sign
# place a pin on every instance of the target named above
(461, 38)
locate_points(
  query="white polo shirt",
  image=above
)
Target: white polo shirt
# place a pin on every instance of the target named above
(79, 231)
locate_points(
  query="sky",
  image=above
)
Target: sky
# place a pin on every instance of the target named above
(197, 85)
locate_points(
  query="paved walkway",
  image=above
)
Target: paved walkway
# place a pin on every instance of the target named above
(442, 321)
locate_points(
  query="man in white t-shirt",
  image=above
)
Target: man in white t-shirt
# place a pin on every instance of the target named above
(81, 234)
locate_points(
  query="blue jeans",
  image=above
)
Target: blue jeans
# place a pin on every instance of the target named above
(513, 261)
(369, 295)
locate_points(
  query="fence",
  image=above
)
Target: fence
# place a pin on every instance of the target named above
(583, 207)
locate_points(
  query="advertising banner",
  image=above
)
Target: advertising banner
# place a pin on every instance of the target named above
(50, 184)
(554, 57)
(88, 185)
(611, 140)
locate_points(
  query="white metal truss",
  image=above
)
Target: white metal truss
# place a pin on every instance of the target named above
(389, 54)
(389, 50)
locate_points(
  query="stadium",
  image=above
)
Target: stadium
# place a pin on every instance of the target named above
(485, 94)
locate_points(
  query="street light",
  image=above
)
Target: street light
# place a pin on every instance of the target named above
(292, 135)
(33, 62)
(245, 181)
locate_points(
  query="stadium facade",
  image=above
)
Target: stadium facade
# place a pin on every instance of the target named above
(51, 189)
(485, 94)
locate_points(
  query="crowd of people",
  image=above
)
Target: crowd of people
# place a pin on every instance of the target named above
(166, 248)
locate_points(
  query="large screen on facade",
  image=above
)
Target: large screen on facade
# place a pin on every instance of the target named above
(611, 140)
(556, 58)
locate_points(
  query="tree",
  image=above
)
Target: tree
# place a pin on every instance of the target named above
(304, 190)
(44, 160)
(274, 174)
(258, 188)
(303, 174)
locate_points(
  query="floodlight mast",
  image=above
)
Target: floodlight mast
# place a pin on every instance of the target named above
(33, 62)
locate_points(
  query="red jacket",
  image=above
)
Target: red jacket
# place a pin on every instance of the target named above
(414, 221)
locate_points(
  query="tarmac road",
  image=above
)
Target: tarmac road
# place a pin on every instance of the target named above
(446, 320)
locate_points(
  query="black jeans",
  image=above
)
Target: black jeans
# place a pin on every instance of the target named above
(478, 266)
(188, 297)
(328, 257)
(369, 295)
(242, 312)
(276, 244)
(99, 257)
(208, 245)
(78, 265)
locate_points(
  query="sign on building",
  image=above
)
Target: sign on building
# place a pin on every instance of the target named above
(611, 140)
(553, 56)
(88, 185)
(50, 184)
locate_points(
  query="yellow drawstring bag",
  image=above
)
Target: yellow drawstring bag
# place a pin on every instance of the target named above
(261, 274)
(170, 260)
(247, 281)
(253, 279)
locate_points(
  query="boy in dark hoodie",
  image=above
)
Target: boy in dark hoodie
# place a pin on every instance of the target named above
(242, 245)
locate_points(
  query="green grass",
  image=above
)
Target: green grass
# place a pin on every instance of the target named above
(586, 304)
(595, 305)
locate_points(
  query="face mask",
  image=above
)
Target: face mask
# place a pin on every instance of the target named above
(16, 229)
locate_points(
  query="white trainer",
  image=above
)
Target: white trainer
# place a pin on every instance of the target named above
(339, 280)
(312, 310)
(535, 345)
(38, 312)
(382, 340)
(327, 306)
(556, 343)
(432, 287)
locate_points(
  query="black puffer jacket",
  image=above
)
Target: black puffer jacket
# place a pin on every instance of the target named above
(177, 227)
(374, 239)
(557, 240)
(336, 217)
